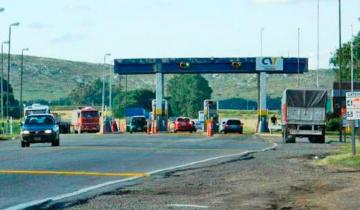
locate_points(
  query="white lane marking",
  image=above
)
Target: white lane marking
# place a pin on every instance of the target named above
(188, 206)
(94, 187)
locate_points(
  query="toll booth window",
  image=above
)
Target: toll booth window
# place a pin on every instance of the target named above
(212, 105)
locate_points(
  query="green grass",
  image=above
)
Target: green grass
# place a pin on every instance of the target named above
(343, 158)
(16, 131)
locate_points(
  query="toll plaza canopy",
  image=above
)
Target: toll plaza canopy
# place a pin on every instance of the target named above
(270, 65)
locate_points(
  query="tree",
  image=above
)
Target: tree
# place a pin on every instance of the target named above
(346, 59)
(89, 93)
(187, 94)
(135, 98)
(13, 103)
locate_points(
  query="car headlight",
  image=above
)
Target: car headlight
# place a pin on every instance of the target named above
(25, 132)
(48, 131)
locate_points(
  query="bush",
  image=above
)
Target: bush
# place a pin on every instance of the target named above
(333, 124)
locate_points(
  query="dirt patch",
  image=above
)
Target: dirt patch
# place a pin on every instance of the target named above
(284, 179)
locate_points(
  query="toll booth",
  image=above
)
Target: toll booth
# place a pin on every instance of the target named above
(160, 115)
(211, 108)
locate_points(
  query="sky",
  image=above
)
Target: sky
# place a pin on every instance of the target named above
(84, 30)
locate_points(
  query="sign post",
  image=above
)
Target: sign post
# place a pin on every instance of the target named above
(352, 114)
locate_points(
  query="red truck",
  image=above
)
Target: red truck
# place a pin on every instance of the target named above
(85, 119)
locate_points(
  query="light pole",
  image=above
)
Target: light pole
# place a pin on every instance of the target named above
(8, 71)
(318, 43)
(298, 59)
(2, 79)
(340, 67)
(110, 88)
(103, 93)
(21, 80)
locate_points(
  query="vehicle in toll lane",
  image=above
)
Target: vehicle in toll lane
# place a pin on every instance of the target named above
(183, 124)
(231, 126)
(40, 128)
(136, 124)
(85, 119)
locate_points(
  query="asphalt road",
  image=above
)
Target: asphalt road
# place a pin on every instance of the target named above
(42, 171)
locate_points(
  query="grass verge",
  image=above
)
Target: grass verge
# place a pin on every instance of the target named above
(343, 158)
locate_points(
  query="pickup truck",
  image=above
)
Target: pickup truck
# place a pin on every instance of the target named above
(304, 115)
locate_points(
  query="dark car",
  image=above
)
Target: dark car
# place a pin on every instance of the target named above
(40, 128)
(231, 126)
(137, 124)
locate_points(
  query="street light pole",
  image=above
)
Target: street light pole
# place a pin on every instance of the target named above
(21, 80)
(8, 72)
(110, 89)
(2, 80)
(103, 93)
(298, 59)
(318, 43)
(340, 67)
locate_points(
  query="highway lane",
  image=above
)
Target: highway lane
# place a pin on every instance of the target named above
(42, 171)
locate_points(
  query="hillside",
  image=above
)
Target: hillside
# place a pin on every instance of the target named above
(51, 79)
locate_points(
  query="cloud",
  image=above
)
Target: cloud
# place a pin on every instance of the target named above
(67, 38)
(74, 6)
(270, 1)
(38, 26)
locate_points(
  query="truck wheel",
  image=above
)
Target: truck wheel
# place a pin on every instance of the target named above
(23, 144)
(285, 137)
(292, 139)
(312, 139)
(321, 139)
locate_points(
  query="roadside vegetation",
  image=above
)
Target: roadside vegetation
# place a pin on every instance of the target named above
(343, 158)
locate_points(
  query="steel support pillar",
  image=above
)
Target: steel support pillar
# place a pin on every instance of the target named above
(263, 113)
(159, 111)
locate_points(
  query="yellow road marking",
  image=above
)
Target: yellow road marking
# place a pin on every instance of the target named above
(71, 173)
(142, 148)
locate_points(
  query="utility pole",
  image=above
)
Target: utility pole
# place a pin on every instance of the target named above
(2, 80)
(340, 67)
(103, 96)
(318, 43)
(8, 76)
(353, 143)
(21, 81)
(298, 60)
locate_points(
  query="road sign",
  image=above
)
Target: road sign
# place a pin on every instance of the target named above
(269, 64)
(353, 105)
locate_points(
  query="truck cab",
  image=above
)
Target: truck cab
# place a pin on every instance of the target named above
(85, 119)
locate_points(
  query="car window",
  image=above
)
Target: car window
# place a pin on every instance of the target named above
(89, 114)
(233, 122)
(39, 120)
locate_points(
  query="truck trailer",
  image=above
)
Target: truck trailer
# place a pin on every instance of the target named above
(304, 115)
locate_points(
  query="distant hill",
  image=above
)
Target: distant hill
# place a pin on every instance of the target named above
(51, 79)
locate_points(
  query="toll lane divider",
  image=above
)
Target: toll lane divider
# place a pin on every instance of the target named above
(106, 184)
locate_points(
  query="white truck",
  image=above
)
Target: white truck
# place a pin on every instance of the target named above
(36, 109)
(304, 115)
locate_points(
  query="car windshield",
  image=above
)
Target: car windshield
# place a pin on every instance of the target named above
(183, 119)
(89, 114)
(233, 122)
(139, 120)
(39, 120)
